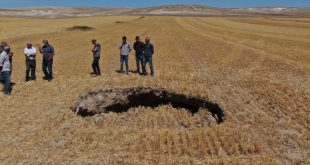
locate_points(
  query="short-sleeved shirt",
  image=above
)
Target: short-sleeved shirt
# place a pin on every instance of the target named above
(30, 53)
(5, 62)
(148, 49)
(97, 50)
(47, 50)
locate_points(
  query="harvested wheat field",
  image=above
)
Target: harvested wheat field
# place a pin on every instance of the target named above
(255, 71)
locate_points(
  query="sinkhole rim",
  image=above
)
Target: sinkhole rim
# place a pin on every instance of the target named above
(119, 100)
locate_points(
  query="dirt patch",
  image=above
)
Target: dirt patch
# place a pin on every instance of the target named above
(122, 99)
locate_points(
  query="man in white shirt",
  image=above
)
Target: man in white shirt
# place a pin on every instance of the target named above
(5, 69)
(125, 49)
(30, 55)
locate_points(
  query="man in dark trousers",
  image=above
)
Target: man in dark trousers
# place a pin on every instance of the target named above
(5, 69)
(148, 56)
(139, 47)
(96, 55)
(2, 45)
(30, 55)
(47, 64)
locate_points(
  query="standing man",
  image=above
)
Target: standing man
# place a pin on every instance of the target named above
(47, 64)
(148, 56)
(30, 55)
(125, 49)
(5, 69)
(139, 47)
(96, 55)
(2, 45)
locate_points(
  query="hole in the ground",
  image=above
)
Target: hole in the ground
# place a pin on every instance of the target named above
(122, 99)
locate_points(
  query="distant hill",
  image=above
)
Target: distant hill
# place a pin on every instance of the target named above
(182, 10)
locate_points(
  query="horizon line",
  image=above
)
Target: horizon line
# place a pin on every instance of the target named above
(42, 6)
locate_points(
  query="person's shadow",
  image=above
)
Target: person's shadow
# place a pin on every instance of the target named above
(130, 71)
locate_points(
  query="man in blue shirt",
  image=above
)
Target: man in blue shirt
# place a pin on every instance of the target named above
(148, 54)
(47, 64)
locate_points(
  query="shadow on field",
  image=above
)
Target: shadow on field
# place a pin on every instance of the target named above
(122, 99)
(130, 71)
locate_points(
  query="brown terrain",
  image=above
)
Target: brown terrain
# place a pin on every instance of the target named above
(255, 71)
(176, 10)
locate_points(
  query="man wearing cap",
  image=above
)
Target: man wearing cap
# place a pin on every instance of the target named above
(47, 64)
(148, 55)
(125, 49)
(139, 47)
(96, 57)
(5, 69)
(30, 55)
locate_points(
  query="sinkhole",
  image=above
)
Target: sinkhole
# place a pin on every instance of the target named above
(120, 100)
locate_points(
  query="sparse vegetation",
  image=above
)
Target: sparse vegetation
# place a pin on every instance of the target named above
(142, 17)
(119, 22)
(256, 69)
(82, 28)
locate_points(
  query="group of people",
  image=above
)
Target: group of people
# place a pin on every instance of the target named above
(48, 53)
(143, 52)
(30, 54)
(143, 55)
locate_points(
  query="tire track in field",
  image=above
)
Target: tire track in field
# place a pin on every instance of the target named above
(215, 81)
(229, 26)
(291, 48)
(279, 96)
(198, 29)
(271, 80)
(260, 109)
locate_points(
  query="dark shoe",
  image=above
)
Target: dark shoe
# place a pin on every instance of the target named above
(45, 78)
